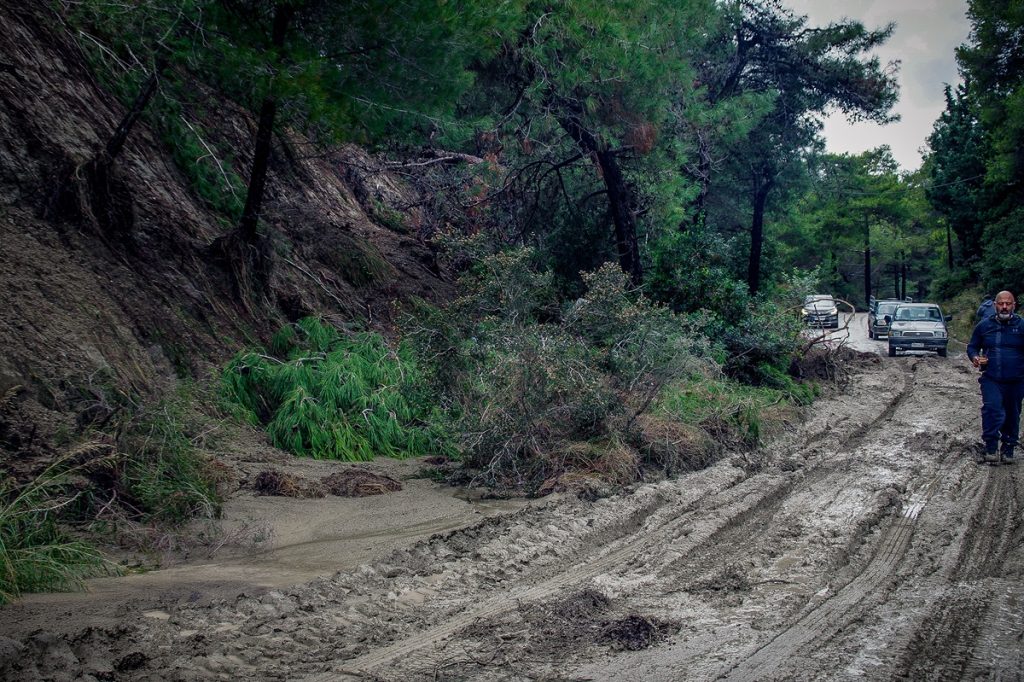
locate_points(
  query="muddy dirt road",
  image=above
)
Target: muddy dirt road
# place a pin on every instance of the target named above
(863, 544)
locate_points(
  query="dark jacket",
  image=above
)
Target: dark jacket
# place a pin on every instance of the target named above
(987, 308)
(1003, 342)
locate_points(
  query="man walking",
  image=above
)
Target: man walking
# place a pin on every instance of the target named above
(987, 308)
(997, 349)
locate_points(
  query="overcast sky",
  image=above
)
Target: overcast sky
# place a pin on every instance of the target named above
(927, 32)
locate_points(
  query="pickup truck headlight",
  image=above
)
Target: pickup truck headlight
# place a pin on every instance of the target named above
(940, 334)
(834, 311)
(805, 311)
(895, 332)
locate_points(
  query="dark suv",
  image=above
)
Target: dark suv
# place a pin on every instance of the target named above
(918, 326)
(877, 310)
(820, 310)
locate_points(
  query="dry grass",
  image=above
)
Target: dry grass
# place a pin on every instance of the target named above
(674, 446)
(278, 483)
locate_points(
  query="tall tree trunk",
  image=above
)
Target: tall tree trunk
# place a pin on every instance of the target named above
(949, 246)
(283, 14)
(117, 140)
(258, 176)
(620, 196)
(757, 235)
(867, 262)
(903, 275)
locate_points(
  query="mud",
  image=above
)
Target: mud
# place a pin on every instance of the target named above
(863, 544)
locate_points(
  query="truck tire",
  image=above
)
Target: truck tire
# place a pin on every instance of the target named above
(892, 351)
(942, 352)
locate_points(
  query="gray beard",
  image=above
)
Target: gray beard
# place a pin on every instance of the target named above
(1003, 317)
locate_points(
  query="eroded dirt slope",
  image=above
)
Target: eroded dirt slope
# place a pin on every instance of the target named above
(94, 317)
(865, 543)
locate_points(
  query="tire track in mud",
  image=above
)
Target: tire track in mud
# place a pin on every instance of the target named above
(696, 524)
(730, 539)
(773, 659)
(815, 629)
(949, 642)
(622, 551)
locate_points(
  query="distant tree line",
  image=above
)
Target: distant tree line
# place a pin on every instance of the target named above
(976, 165)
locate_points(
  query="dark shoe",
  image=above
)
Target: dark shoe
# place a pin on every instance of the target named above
(1007, 456)
(978, 452)
(992, 457)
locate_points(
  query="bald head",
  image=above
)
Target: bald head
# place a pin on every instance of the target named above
(1005, 305)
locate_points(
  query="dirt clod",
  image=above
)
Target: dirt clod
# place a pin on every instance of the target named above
(132, 661)
(731, 579)
(635, 632)
(274, 482)
(360, 483)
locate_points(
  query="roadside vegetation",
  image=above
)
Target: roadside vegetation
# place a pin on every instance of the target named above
(138, 480)
(37, 554)
(523, 386)
(324, 394)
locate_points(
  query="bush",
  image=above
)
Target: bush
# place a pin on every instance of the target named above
(160, 474)
(36, 555)
(758, 345)
(950, 283)
(328, 396)
(525, 385)
(729, 411)
(531, 391)
(689, 274)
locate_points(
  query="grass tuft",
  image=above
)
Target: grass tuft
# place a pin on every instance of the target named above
(161, 475)
(732, 412)
(36, 555)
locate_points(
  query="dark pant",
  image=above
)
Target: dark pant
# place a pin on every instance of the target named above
(1000, 412)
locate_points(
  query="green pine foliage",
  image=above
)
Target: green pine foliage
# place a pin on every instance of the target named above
(323, 395)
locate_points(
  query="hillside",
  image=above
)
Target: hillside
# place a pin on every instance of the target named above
(98, 314)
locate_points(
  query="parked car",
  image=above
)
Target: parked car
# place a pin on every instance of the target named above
(918, 326)
(878, 308)
(820, 310)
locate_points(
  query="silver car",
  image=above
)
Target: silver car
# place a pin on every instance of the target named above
(820, 310)
(918, 326)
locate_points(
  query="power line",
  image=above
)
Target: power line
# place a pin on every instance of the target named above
(851, 192)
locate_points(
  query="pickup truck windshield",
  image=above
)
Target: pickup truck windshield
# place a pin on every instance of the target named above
(885, 309)
(918, 314)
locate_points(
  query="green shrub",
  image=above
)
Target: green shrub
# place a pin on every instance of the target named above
(949, 283)
(36, 555)
(160, 474)
(757, 343)
(329, 396)
(388, 217)
(688, 273)
(523, 382)
(727, 409)
(533, 389)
